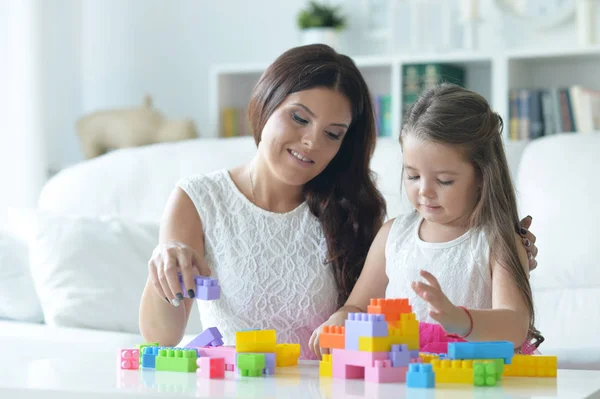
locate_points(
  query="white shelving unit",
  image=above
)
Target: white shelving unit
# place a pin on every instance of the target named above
(490, 74)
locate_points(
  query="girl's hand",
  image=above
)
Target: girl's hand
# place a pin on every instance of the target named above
(336, 319)
(528, 241)
(171, 258)
(454, 320)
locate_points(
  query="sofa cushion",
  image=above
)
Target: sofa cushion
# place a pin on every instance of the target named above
(18, 299)
(89, 272)
(557, 185)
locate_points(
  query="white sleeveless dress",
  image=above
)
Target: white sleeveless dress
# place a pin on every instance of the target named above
(461, 266)
(270, 266)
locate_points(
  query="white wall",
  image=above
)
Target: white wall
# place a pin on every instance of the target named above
(109, 53)
(22, 139)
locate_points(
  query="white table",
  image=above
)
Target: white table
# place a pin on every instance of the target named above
(96, 375)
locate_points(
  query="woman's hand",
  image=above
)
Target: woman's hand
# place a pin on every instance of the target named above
(529, 241)
(453, 319)
(167, 261)
(336, 319)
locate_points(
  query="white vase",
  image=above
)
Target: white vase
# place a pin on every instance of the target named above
(328, 36)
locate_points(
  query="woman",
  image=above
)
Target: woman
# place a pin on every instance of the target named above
(287, 234)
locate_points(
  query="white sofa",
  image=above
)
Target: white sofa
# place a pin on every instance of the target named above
(89, 268)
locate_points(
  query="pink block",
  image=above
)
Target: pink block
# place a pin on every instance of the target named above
(211, 367)
(226, 352)
(350, 364)
(357, 358)
(382, 371)
(130, 359)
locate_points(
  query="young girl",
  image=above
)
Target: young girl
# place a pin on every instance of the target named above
(461, 237)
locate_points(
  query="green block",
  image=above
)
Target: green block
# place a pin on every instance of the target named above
(183, 360)
(484, 374)
(250, 364)
(141, 347)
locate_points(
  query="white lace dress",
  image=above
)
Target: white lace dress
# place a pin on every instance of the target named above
(271, 266)
(461, 266)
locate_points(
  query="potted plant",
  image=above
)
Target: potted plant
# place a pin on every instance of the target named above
(320, 23)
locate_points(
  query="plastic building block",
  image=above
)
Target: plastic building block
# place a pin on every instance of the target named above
(420, 376)
(175, 359)
(349, 364)
(428, 357)
(226, 352)
(211, 367)
(382, 371)
(141, 347)
(209, 337)
(270, 362)
(482, 350)
(532, 366)
(453, 371)
(207, 288)
(149, 357)
(390, 308)
(287, 354)
(397, 338)
(399, 356)
(333, 337)
(484, 374)
(414, 354)
(257, 341)
(363, 325)
(374, 344)
(250, 364)
(130, 359)
(326, 366)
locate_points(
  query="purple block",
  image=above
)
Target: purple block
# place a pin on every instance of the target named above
(216, 342)
(414, 354)
(399, 356)
(207, 337)
(207, 288)
(364, 325)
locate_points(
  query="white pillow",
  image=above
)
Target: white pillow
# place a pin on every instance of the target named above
(18, 299)
(90, 271)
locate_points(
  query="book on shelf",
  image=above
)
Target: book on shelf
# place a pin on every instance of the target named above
(542, 112)
(383, 115)
(234, 122)
(417, 78)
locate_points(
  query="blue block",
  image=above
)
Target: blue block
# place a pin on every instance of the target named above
(149, 357)
(482, 350)
(364, 325)
(420, 376)
(400, 356)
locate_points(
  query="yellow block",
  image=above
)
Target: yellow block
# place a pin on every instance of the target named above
(326, 366)
(453, 371)
(287, 354)
(532, 366)
(263, 341)
(374, 344)
(428, 357)
(397, 338)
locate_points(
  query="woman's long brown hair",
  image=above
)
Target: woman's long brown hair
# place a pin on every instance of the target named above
(450, 114)
(343, 197)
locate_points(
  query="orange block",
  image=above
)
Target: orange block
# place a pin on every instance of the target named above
(390, 308)
(333, 337)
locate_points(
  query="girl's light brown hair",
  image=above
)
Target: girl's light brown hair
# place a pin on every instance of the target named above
(450, 114)
(343, 196)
